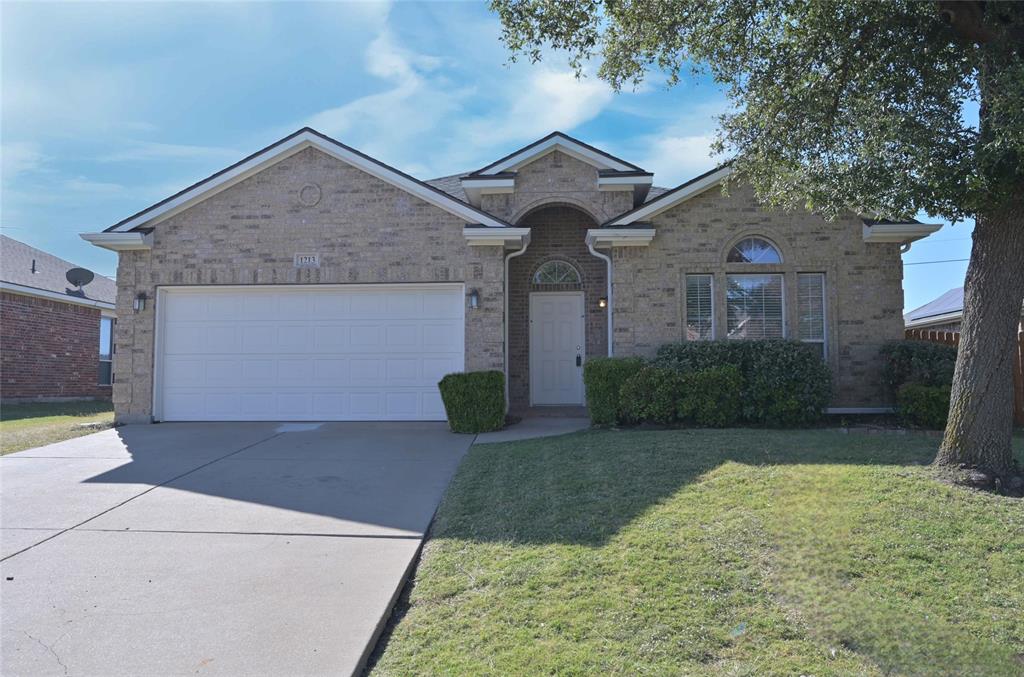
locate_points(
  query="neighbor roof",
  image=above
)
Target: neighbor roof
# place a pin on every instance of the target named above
(950, 302)
(18, 260)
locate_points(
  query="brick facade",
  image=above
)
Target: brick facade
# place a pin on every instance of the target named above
(864, 291)
(48, 349)
(364, 229)
(556, 233)
(368, 231)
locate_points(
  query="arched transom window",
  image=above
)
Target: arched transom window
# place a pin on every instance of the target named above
(754, 250)
(556, 272)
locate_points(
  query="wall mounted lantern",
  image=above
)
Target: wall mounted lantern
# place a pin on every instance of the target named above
(602, 302)
(474, 299)
(139, 304)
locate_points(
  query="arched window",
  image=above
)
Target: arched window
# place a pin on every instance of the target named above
(754, 250)
(556, 272)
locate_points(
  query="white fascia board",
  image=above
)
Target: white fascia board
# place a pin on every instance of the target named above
(925, 322)
(620, 237)
(505, 237)
(475, 188)
(294, 145)
(625, 180)
(489, 185)
(54, 296)
(900, 233)
(571, 148)
(119, 242)
(671, 199)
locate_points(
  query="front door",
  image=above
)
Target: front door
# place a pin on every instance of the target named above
(556, 348)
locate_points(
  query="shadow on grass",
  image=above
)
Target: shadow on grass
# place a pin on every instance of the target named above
(584, 488)
(17, 412)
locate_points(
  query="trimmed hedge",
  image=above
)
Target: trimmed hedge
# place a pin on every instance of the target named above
(784, 383)
(923, 405)
(918, 362)
(603, 377)
(652, 394)
(474, 401)
(712, 397)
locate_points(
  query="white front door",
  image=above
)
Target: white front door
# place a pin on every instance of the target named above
(556, 348)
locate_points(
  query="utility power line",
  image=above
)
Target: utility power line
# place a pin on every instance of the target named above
(924, 263)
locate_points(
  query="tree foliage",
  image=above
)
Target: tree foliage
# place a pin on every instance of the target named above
(836, 105)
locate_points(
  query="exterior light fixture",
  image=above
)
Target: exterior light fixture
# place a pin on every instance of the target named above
(139, 304)
(602, 302)
(474, 299)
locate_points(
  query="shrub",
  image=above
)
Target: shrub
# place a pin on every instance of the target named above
(923, 405)
(918, 362)
(652, 394)
(604, 377)
(784, 383)
(474, 401)
(712, 397)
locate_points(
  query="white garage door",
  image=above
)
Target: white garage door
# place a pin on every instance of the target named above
(330, 352)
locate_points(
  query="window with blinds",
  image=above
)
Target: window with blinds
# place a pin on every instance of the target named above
(754, 307)
(810, 304)
(700, 320)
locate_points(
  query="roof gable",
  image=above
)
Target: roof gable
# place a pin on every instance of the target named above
(558, 141)
(671, 198)
(286, 147)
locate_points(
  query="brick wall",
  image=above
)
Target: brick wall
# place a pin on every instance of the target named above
(48, 349)
(556, 233)
(864, 282)
(365, 230)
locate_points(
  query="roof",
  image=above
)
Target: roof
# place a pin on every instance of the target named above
(950, 302)
(452, 184)
(666, 199)
(574, 147)
(18, 261)
(289, 145)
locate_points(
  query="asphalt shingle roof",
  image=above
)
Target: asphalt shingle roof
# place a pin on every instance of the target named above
(950, 302)
(16, 268)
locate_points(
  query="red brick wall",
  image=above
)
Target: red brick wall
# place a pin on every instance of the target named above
(557, 232)
(48, 349)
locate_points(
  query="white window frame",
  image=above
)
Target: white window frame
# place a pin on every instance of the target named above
(110, 359)
(782, 298)
(686, 304)
(824, 313)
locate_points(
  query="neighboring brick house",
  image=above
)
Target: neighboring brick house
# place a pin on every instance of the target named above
(312, 282)
(55, 338)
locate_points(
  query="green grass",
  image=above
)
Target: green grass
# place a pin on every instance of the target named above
(736, 552)
(24, 426)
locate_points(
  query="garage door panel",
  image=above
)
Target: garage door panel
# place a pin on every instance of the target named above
(331, 353)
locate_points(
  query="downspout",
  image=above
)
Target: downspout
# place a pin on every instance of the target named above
(905, 247)
(608, 264)
(511, 255)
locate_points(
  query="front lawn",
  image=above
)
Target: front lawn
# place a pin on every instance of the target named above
(735, 552)
(24, 426)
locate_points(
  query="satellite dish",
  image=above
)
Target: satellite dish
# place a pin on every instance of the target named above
(79, 277)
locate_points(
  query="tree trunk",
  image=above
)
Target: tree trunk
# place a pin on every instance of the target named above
(980, 427)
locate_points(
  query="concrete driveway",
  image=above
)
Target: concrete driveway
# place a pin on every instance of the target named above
(213, 548)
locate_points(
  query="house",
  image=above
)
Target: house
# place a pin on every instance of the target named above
(942, 314)
(56, 338)
(311, 281)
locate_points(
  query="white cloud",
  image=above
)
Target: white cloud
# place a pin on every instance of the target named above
(20, 157)
(548, 100)
(81, 184)
(141, 151)
(675, 159)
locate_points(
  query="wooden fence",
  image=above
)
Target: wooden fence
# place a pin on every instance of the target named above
(952, 338)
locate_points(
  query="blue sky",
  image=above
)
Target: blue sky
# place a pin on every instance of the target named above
(107, 108)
